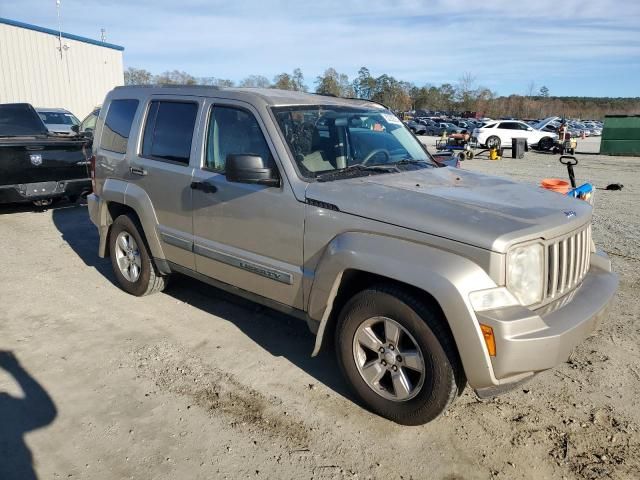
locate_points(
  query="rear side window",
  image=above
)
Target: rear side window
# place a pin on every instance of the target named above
(117, 125)
(169, 130)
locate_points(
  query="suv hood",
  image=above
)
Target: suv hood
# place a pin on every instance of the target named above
(481, 210)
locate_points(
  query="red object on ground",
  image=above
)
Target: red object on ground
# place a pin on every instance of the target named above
(556, 185)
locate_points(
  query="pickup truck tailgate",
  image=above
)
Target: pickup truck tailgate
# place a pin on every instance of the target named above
(41, 160)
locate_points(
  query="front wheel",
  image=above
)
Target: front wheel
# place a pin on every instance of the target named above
(398, 355)
(493, 142)
(130, 258)
(545, 143)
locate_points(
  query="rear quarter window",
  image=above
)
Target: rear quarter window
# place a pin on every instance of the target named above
(117, 125)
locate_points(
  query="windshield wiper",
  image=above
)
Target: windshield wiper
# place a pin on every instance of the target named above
(411, 161)
(358, 168)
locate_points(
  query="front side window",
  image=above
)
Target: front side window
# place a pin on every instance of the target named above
(117, 125)
(169, 130)
(233, 131)
(326, 138)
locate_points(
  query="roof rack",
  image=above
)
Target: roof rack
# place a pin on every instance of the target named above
(172, 85)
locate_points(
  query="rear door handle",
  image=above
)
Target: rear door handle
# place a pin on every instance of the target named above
(138, 171)
(204, 187)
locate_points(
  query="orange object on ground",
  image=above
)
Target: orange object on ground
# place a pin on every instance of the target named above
(556, 185)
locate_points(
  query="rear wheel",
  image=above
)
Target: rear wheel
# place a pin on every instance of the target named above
(493, 142)
(130, 258)
(398, 355)
(469, 154)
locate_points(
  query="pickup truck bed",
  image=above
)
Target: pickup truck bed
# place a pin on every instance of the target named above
(40, 167)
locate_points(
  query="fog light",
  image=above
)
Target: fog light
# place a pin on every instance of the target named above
(489, 339)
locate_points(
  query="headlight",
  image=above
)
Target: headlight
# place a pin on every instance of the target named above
(525, 273)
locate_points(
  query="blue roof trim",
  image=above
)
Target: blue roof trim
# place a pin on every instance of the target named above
(70, 36)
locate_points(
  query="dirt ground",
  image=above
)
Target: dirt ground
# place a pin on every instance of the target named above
(191, 383)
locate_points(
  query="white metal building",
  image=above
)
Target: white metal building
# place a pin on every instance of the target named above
(35, 69)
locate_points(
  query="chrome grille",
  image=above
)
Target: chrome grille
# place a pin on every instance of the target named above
(567, 262)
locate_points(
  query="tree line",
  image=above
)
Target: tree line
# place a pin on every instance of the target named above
(401, 96)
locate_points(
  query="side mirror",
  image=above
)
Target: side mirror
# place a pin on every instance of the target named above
(241, 168)
(529, 129)
(75, 129)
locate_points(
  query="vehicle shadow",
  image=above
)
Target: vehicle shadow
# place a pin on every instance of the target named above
(19, 415)
(279, 334)
(12, 208)
(81, 235)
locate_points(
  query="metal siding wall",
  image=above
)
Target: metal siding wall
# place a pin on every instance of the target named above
(31, 71)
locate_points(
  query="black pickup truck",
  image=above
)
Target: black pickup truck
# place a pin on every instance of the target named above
(36, 165)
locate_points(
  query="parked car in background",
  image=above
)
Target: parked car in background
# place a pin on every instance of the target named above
(58, 120)
(35, 165)
(88, 125)
(416, 127)
(441, 127)
(425, 278)
(500, 133)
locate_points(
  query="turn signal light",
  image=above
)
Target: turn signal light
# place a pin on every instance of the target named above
(489, 339)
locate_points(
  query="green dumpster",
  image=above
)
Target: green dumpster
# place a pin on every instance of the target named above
(621, 135)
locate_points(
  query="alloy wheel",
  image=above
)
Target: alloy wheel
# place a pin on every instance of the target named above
(128, 256)
(388, 359)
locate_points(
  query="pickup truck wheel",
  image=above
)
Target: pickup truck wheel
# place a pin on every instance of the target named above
(397, 355)
(130, 259)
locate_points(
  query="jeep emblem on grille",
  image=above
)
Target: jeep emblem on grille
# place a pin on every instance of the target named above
(36, 159)
(570, 213)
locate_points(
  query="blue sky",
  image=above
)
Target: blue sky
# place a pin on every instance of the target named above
(573, 47)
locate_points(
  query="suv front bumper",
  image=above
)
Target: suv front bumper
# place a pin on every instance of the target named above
(529, 341)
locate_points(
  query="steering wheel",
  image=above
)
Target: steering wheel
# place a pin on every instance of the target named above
(375, 152)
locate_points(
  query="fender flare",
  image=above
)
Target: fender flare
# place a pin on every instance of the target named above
(447, 277)
(134, 197)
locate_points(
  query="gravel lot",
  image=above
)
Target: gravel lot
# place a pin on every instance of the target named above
(194, 384)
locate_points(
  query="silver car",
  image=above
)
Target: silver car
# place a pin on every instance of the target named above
(426, 278)
(58, 120)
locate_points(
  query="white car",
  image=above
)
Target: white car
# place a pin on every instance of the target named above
(500, 132)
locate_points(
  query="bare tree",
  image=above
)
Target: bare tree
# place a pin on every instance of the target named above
(255, 81)
(137, 76)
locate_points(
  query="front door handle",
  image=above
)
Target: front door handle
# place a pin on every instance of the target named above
(138, 171)
(204, 187)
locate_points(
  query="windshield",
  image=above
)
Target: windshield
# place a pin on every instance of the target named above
(58, 118)
(326, 138)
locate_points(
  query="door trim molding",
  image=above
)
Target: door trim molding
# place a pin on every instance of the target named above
(171, 237)
(248, 265)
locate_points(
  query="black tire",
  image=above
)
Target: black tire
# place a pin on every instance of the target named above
(443, 374)
(469, 154)
(493, 142)
(545, 143)
(149, 280)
